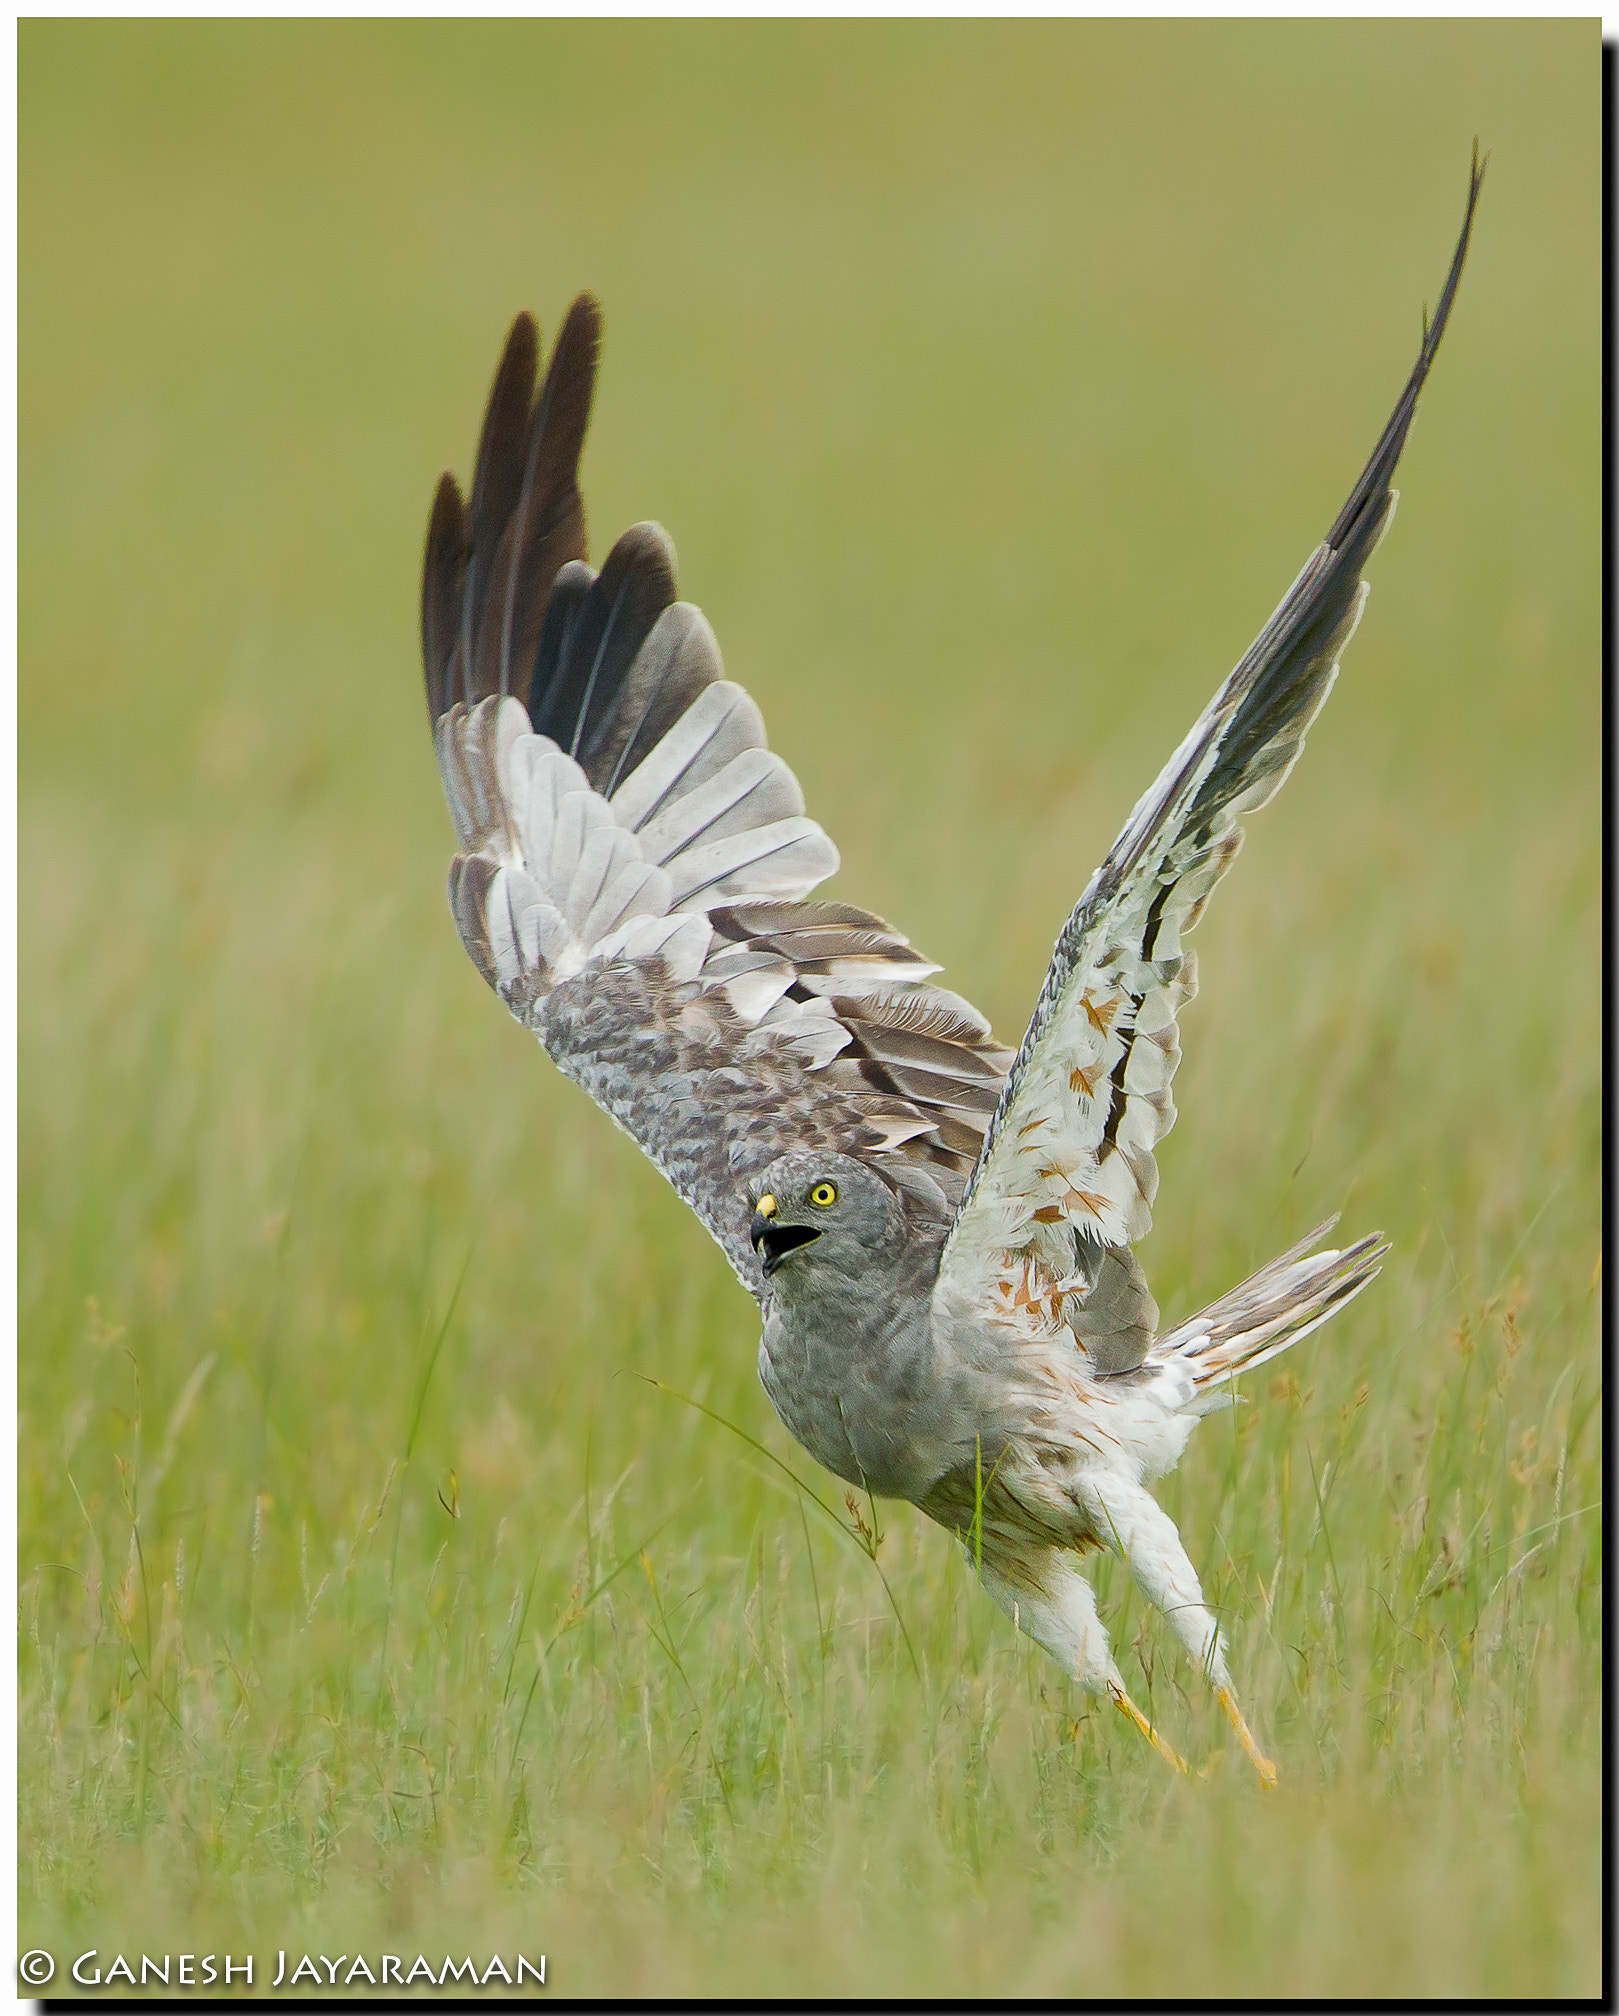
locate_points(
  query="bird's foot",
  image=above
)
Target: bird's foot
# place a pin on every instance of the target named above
(1261, 1763)
(1126, 1706)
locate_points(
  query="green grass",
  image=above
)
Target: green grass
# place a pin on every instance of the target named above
(993, 382)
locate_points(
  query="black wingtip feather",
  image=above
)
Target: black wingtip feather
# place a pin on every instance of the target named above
(442, 563)
(546, 527)
(1282, 677)
(490, 562)
(1371, 492)
(497, 474)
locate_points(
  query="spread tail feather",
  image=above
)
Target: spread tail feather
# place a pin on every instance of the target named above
(1268, 1312)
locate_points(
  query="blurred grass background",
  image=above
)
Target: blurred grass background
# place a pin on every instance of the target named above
(993, 381)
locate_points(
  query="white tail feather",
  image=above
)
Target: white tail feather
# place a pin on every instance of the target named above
(1269, 1312)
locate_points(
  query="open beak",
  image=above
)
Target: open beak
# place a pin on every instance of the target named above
(773, 1241)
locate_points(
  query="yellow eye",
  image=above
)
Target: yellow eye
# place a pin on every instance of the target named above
(824, 1195)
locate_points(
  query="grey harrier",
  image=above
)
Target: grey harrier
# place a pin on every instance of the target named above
(938, 1231)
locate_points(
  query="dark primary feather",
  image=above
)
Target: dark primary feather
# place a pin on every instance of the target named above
(542, 523)
(443, 575)
(593, 631)
(508, 604)
(497, 483)
(489, 565)
(1375, 477)
(1290, 662)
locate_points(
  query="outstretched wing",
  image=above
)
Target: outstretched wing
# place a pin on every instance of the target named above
(634, 861)
(1066, 1180)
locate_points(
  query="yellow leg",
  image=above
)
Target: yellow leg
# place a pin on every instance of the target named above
(1261, 1763)
(1126, 1706)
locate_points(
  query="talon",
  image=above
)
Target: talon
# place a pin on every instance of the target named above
(1126, 1706)
(1261, 1763)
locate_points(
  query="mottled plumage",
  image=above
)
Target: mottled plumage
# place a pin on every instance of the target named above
(939, 1232)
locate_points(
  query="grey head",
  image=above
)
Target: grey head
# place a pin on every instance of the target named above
(821, 1219)
(850, 1259)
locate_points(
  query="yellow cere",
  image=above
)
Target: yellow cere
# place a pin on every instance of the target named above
(766, 1206)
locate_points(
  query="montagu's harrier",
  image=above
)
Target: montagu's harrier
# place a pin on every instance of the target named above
(938, 1231)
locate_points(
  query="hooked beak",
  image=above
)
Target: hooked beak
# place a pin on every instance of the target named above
(772, 1241)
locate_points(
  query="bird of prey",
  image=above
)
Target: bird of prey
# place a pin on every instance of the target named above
(939, 1231)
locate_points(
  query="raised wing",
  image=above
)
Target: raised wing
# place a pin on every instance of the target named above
(1066, 1180)
(634, 861)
